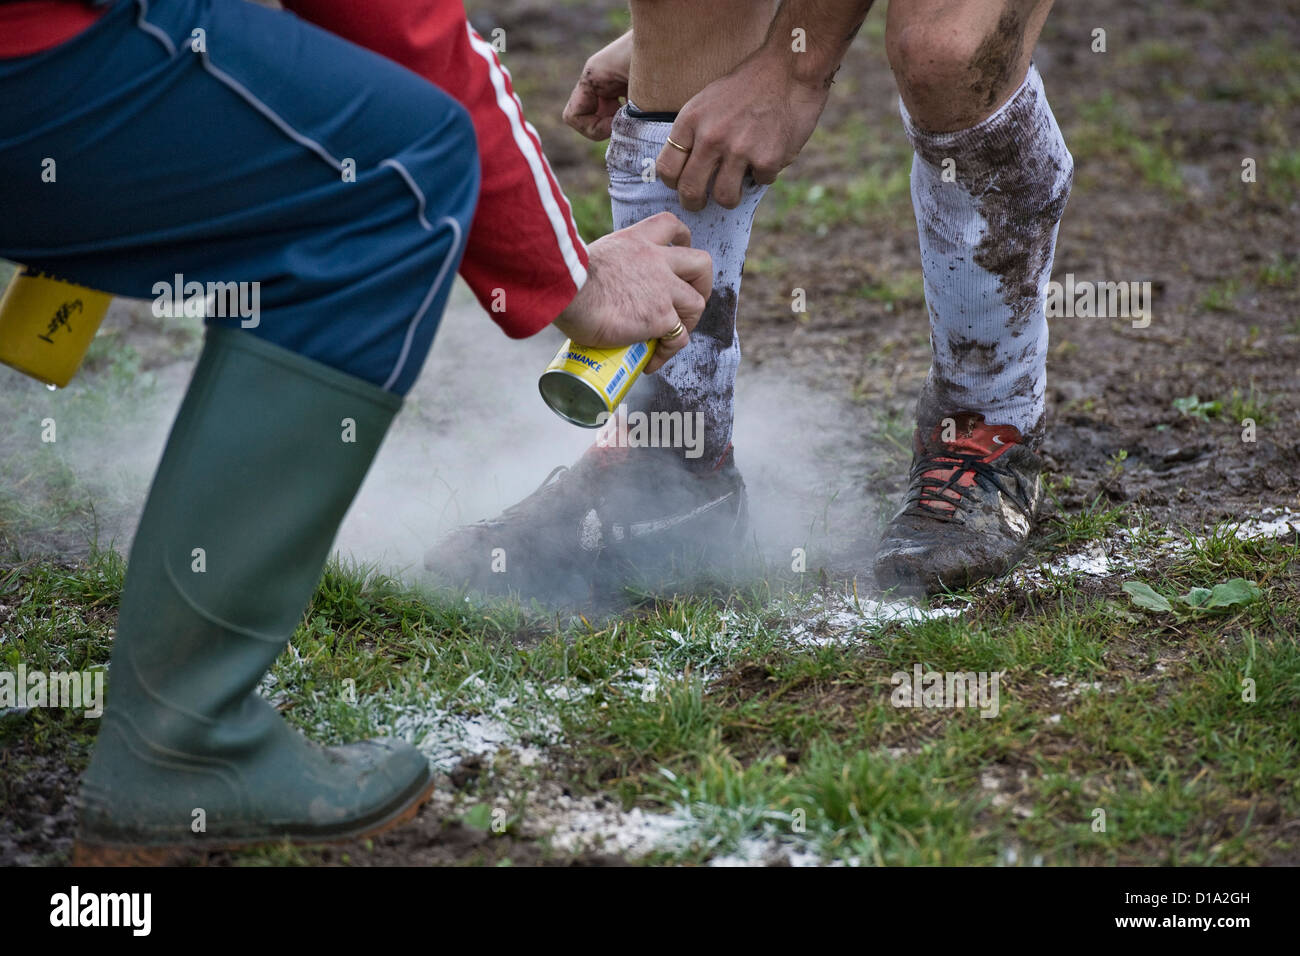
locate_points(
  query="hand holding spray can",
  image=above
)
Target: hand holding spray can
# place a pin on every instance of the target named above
(585, 385)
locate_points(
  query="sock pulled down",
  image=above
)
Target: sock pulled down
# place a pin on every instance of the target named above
(988, 202)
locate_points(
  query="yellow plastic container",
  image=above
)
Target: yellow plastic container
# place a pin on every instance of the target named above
(46, 325)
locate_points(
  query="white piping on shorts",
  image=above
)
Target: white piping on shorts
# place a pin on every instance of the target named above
(307, 142)
(152, 30)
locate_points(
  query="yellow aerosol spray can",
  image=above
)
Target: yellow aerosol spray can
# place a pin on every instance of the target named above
(46, 325)
(584, 385)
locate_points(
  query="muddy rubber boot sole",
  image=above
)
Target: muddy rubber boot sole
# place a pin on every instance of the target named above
(87, 853)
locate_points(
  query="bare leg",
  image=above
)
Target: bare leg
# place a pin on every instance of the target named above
(681, 46)
(987, 227)
(957, 61)
(990, 179)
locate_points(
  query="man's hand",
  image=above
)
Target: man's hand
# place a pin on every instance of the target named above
(641, 281)
(757, 117)
(603, 83)
(754, 120)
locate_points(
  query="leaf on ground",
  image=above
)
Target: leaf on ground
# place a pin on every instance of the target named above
(1193, 407)
(479, 817)
(1236, 591)
(1142, 595)
(1196, 597)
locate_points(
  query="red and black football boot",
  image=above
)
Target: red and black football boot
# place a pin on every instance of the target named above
(971, 504)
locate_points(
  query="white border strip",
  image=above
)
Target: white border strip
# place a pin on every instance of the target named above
(521, 128)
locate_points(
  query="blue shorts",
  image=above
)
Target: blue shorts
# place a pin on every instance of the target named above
(228, 143)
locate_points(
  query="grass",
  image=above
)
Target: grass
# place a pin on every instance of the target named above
(1110, 127)
(1279, 273)
(591, 213)
(1270, 71)
(880, 190)
(701, 707)
(1282, 172)
(904, 289)
(1240, 404)
(1222, 296)
(740, 735)
(1157, 53)
(1249, 403)
(1093, 522)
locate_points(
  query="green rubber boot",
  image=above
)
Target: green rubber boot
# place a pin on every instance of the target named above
(266, 454)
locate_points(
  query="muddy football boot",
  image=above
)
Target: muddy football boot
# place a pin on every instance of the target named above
(618, 518)
(971, 504)
(250, 492)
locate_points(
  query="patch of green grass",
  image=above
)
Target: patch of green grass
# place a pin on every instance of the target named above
(1110, 128)
(1282, 172)
(817, 207)
(908, 288)
(764, 265)
(58, 618)
(1279, 273)
(592, 214)
(1249, 404)
(1269, 72)
(1092, 523)
(1170, 754)
(1157, 53)
(618, 19)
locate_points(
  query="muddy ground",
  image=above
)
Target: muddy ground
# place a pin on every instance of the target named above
(1159, 126)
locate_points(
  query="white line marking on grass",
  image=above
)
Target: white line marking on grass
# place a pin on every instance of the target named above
(841, 619)
(596, 824)
(1121, 553)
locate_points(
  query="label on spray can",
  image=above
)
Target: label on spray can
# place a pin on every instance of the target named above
(46, 325)
(584, 385)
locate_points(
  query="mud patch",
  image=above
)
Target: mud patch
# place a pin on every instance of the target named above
(38, 798)
(999, 52)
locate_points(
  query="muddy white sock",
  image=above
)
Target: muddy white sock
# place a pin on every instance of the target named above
(988, 201)
(702, 377)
